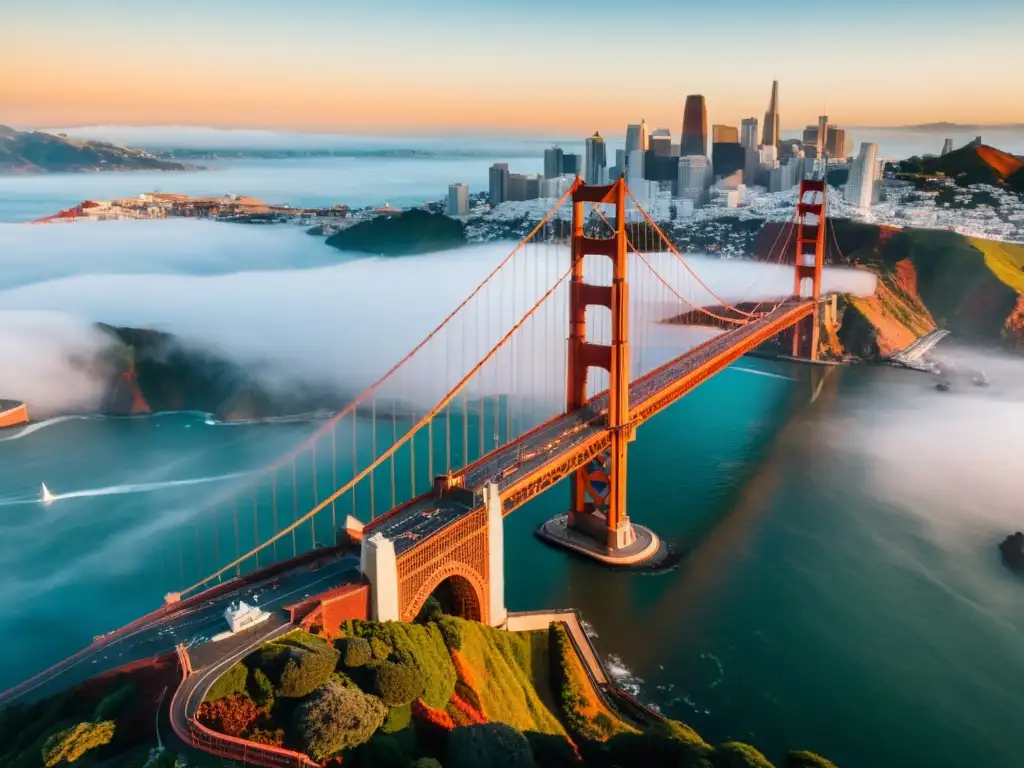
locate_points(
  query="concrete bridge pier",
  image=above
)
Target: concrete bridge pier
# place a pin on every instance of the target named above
(463, 566)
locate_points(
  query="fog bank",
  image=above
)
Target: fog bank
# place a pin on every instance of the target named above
(340, 325)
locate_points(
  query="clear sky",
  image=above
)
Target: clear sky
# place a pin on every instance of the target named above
(554, 67)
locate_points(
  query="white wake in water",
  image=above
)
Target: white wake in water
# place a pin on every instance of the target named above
(41, 425)
(116, 490)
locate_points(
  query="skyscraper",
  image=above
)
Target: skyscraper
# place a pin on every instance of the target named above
(552, 162)
(458, 199)
(860, 187)
(822, 142)
(694, 140)
(597, 160)
(572, 164)
(636, 137)
(748, 132)
(835, 144)
(770, 135)
(725, 134)
(947, 146)
(497, 188)
(694, 178)
(661, 145)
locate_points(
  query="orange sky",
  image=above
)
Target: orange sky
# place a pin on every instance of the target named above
(439, 73)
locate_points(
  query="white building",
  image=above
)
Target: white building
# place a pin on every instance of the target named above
(694, 178)
(240, 616)
(862, 187)
(458, 199)
(553, 189)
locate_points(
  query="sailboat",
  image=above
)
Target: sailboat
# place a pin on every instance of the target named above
(47, 497)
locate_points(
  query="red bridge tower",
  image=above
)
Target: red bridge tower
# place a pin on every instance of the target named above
(810, 256)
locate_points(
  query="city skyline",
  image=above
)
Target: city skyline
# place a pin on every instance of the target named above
(395, 70)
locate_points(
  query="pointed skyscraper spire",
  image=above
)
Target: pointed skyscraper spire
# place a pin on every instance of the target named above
(770, 132)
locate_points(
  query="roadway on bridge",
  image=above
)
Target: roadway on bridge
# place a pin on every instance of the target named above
(559, 438)
(193, 625)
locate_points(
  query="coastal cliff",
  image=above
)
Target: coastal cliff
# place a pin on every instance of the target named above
(149, 371)
(927, 279)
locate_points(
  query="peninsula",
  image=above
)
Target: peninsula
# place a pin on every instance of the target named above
(39, 152)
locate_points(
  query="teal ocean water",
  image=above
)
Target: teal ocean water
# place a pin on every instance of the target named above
(836, 591)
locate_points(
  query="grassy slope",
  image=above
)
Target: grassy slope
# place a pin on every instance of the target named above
(510, 672)
(1005, 260)
(930, 278)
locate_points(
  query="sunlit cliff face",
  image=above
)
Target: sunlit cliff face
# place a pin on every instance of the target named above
(342, 324)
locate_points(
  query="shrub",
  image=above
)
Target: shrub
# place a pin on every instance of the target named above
(735, 754)
(231, 682)
(553, 751)
(420, 646)
(379, 649)
(231, 715)
(306, 671)
(398, 719)
(70, 744)
(397, 684)
(114, 704)
(384, 751)
(493, 745)
(656, 749)
(355, 651)
(274, 738)
(335, 718)
(426, 762)
(803, 759)
(451, 631)
(431, 611)
(262, 690)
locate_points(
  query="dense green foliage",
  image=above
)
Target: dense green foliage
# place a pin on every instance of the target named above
(397, 684)
(306, 671)
(802, 759)
(419, 646)
(407, 233)
(426, 762)
(451, 631)
(335, 718)
(398, 719)
(355, 651)
(493, 745)
(231, 682)
(71, 743)
(262, 689)
(735, 754)
(115, 703)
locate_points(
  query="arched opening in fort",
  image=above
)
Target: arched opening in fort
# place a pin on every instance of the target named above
(458, 597)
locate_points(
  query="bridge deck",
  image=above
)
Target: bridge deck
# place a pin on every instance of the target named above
(513, 465)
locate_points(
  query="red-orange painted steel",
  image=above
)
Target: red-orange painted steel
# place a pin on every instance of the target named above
(809, 235)
(614, 358)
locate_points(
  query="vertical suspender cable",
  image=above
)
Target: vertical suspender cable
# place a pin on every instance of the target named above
(273, 503)
(373, 453)
(394, 440)
(295, 506)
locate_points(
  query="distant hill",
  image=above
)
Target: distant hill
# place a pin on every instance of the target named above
(972, 164)
(401, 234)
(37, 152)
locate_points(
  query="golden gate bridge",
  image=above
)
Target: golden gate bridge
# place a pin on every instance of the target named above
(543, 373)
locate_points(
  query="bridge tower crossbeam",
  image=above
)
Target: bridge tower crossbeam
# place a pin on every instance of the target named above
(598, 492)
(810, 258)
